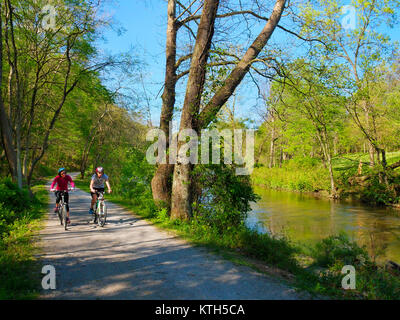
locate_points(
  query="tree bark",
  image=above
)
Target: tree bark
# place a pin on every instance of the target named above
(161, 183)
(371, 152)
(191, 119)
(6, 129)
(18, 111)
(181, 186)
(328, 157)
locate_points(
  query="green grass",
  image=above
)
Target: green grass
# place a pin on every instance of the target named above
(309, 175)
(20, 272)
(306, 176)
(352, 160)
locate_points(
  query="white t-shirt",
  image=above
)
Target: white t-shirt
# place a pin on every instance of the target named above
(99, 182)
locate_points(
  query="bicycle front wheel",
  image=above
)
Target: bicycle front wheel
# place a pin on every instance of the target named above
(61, 214)
(65, 219)
(102, 214)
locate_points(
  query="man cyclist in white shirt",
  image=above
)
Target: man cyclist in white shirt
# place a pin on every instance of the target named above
(97, 185)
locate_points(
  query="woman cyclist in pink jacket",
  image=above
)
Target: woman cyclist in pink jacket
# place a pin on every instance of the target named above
(62, 180)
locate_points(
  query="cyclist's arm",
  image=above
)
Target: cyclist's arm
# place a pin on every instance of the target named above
(71, 182)
(91, 186)
(108, 186)
(53, 183)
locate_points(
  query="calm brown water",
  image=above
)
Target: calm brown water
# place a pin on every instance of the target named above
(306, 219)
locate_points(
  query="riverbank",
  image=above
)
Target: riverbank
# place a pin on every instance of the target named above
(307, 219)
(353, 183)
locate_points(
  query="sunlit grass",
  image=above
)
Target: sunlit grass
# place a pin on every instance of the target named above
(352, 160)
(310, 175)
(19, 269)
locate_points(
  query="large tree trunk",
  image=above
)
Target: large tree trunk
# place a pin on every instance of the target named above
(332, 178)
(18, 113)
(272, 154)
(191, 119)
(371, 148)
(181, 187)
(4, 119)
(323, 138)
(161, 183)
(371, 152)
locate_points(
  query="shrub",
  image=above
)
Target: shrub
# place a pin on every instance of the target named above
(277, 251)
(14, 203)
(12, 197)
(222, 198)
(7, 218)
(372, 281)
(339, 249)
(377, 191)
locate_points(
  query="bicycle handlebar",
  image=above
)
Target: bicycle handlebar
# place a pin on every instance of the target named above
(94, 191)
(69, 189)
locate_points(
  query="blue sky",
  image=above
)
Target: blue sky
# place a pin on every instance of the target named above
(144, 22)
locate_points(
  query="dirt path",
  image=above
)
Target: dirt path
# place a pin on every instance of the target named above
(131, 259)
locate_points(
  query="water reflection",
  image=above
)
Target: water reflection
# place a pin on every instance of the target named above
(307, 219)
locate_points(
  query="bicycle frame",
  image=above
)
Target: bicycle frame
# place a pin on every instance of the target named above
(100, 203)
(62, 215)
(61, 210)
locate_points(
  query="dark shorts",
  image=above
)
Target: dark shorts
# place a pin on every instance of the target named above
(58, 196)
(66, 198)
(97, 191)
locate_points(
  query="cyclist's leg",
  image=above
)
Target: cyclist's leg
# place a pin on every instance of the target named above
(94, 199)
(58, 199)
(66, 199)
(95, 195)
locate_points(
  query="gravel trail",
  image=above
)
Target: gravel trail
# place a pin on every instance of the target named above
(131, 259)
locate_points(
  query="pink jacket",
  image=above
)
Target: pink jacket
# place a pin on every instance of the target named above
(62, 183)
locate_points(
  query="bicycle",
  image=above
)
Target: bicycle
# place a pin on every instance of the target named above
(100, 210)
(61, 212)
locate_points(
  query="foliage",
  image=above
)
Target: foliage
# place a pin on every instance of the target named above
(12, 197)
(339, 249)
(19, 220)
(222, 197)
(135, 178)
(381, 187)
(372, 281)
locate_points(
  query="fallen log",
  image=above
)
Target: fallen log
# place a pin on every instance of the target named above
(392, 266)
(358, 180)
(395, 165)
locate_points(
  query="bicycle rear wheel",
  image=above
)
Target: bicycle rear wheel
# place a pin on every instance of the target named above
(102, 214)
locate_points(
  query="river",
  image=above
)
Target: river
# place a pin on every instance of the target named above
(306, 219)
